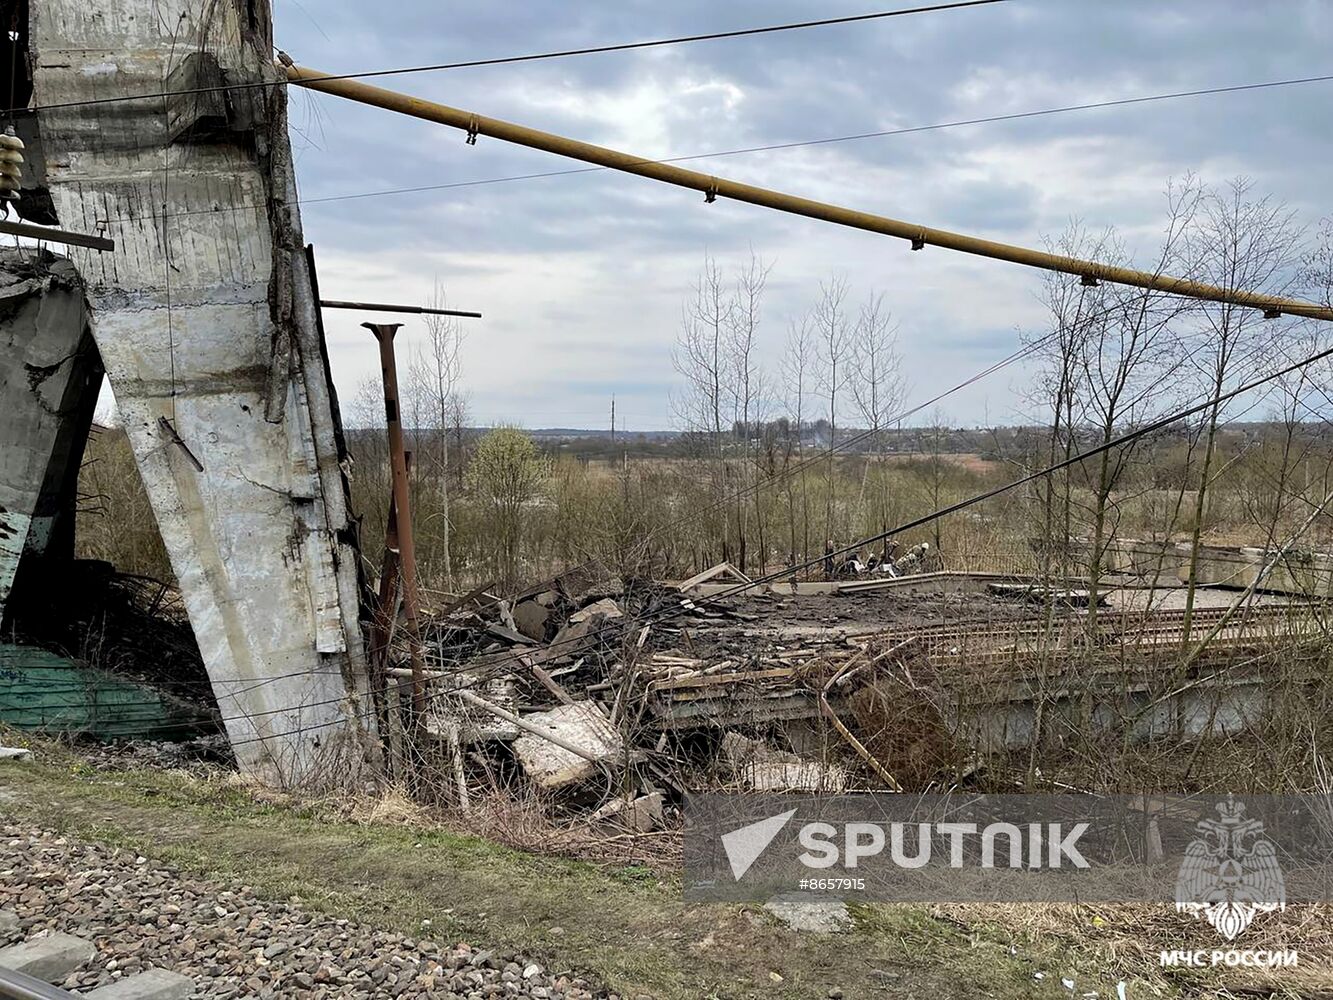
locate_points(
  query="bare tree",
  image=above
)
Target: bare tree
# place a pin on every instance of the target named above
(746, 382)
(877, 383)
(438, 369)
(1236, 241)
(747, 391)
(366, 407)
(1130, 361)
(460, 415)
(831, 321)
(798, 381)
(1056, 387)
(701, 355)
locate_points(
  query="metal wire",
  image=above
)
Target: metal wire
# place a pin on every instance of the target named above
(559, 54)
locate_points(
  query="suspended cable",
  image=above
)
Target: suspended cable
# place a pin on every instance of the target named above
(559, 54)
(771, 147)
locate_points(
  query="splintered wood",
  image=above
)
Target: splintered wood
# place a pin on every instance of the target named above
(891, 687)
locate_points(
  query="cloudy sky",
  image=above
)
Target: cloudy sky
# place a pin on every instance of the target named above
(582, 278)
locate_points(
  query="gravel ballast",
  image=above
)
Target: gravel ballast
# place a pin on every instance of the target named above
(142, 914)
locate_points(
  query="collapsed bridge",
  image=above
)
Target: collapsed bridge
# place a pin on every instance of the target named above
(163, 128)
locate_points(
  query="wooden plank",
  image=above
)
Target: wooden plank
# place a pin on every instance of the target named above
(712, 574)
(738, 677)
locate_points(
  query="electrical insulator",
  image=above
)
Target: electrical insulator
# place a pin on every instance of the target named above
(11, 164)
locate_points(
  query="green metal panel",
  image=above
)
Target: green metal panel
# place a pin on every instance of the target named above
(41, 690)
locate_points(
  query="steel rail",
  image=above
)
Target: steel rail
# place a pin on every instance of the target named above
(715, 187)
(15, 985)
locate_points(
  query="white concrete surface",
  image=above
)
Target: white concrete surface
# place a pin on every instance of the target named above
(580, 724)
(204, 316)
(151, 984)
(46, 365)
(51, 958)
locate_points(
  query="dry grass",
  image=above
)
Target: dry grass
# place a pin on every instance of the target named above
(1129, 937)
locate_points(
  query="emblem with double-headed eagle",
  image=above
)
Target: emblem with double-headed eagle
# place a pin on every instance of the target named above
(1230, 873)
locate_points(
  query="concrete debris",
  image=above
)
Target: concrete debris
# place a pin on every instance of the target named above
(586, 584)
(572, 638)
(1064, 596)
(606, 607)
(723, 570)
(810, 916)
(641, 815)
(52, 957)
(14, 753)
(583, 725)
(761, 768)
(533, 619)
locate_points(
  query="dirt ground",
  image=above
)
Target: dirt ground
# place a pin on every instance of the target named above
(623, 926)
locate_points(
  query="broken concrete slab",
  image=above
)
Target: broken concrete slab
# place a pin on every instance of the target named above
(574, 636)
(723, 570)
(532, 619)
(51, 958)
(50, 373)
(582, 725)
(809, 915)
(762, 768)
(642, 815)
(586, 584)
(151, 984)
(606, 607)
(9, 923)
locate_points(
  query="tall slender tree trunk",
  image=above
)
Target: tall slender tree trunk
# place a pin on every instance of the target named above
(1196, 532)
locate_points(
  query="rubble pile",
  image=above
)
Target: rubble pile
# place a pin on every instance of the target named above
(615, 695)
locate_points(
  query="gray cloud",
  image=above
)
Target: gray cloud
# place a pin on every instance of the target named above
(582, 277)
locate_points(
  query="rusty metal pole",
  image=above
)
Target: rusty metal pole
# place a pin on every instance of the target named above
(407, 554)
(386, 612)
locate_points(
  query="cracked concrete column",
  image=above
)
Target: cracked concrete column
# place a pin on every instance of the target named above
(206, 324)
(49, 377)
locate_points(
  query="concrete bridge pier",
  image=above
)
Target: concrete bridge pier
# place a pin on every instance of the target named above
(205, 320)
(50, 373)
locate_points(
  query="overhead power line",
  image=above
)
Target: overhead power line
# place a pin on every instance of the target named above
(678, 40)
(714, 187)
(771, 147)
(540, 56)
